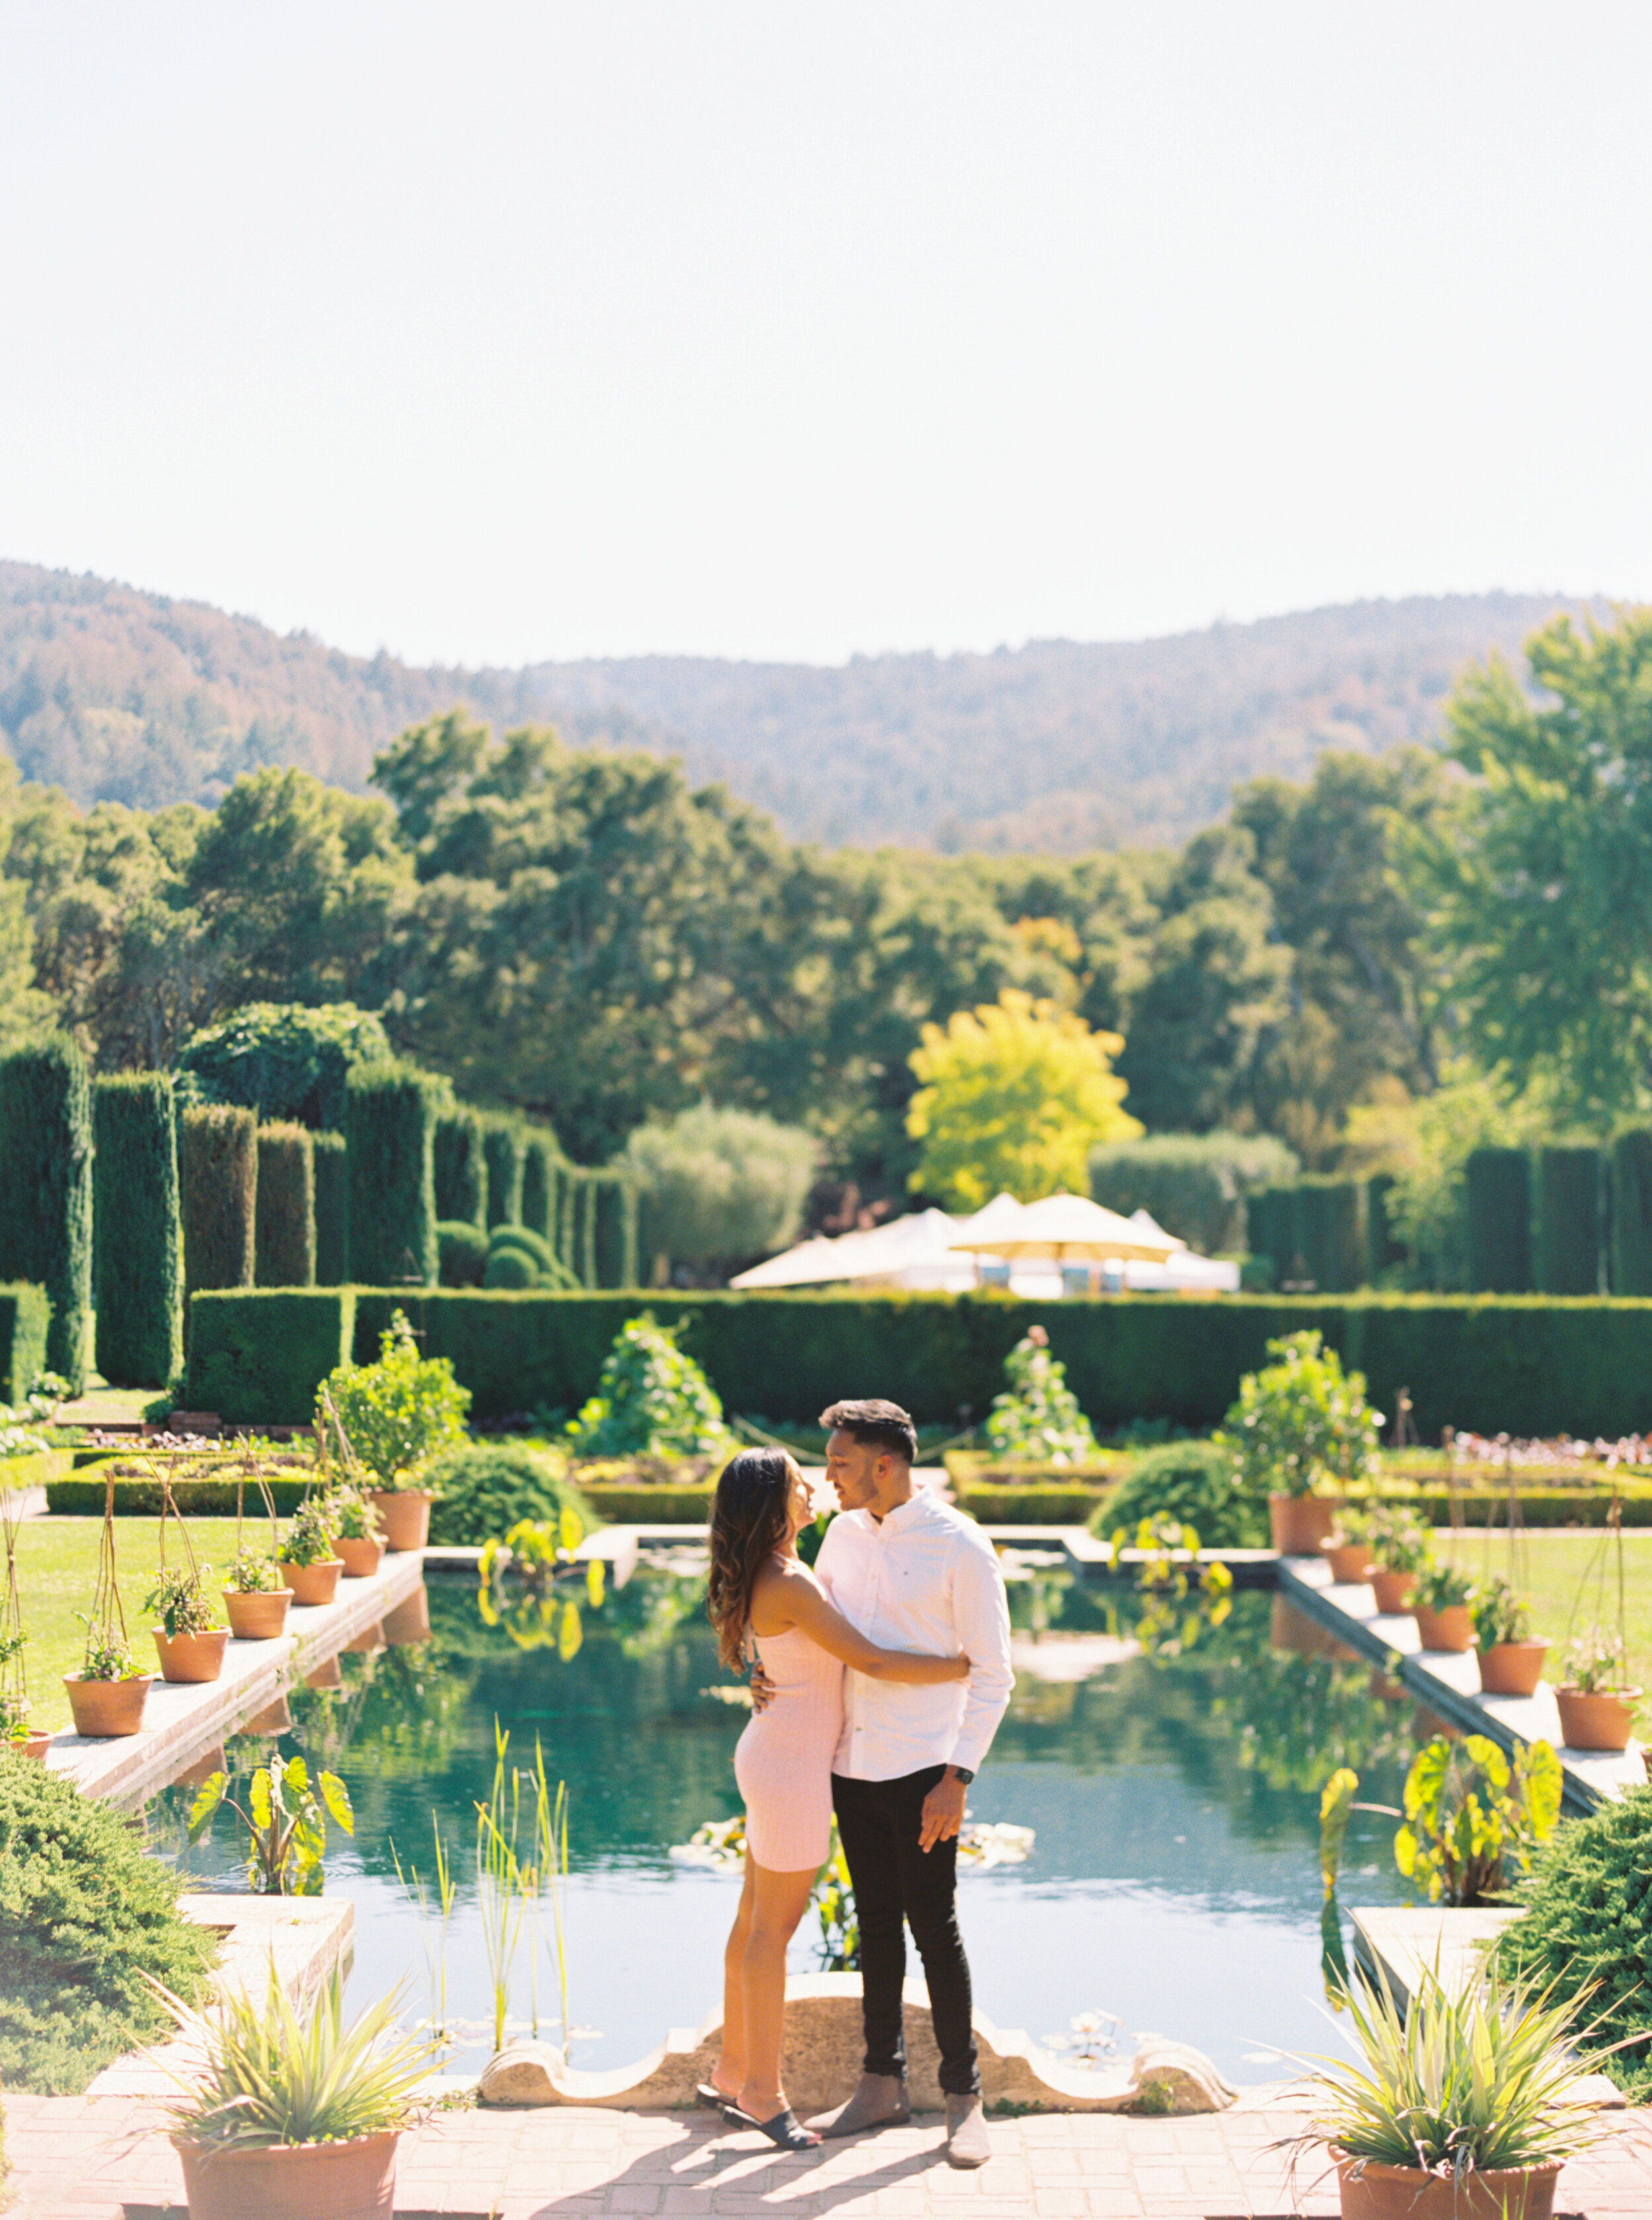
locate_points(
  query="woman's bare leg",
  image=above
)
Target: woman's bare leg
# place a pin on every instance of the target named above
(729, 2072)
(779, 1900)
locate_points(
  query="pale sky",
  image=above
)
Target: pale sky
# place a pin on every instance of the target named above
(489, 333)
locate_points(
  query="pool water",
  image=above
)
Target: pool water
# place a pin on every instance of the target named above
(1173, 1886)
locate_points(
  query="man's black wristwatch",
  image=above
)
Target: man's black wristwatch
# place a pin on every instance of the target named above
(964, 1773)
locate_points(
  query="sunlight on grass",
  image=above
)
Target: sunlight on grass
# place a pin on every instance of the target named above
(1569, 1578)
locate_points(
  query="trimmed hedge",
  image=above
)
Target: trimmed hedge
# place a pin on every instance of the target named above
(140, 1233)
(1274, 1231)
(80, 1496)
(25, 1322)
(1499, 1205)
(284, 1219)
(502, 1146)
(257, 1356)
(461, 1253)
(390, 1129)
(330, 1168)
(218, 1168)
(662, 1505)
(483, 1487)
(1570, 1220)
(613, 1234)
(1631, 1213)
(541, 1162)
(45, 1192)
(461, 1169)
(1037, 1504)
(1330, 1216)
(1383, 1246)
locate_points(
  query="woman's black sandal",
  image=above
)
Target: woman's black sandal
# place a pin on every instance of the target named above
(708, 2094)
(783, 2131)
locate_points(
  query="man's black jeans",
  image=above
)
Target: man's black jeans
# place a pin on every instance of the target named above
(878, 1822)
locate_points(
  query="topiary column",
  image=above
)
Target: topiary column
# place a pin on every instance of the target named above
(391, 1113)
(140, 1230)
(284, 1236)
(461, 1169)
(218, 1166)
(615, 1230)
(1570, 1220)
(1499, 1201)
(330, 1169)
(501, 1145)
(1631, 1213)
(541, 1158)
(1331, 1215)
(45, 1192)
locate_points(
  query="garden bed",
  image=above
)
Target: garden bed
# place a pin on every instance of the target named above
(1006, 1492)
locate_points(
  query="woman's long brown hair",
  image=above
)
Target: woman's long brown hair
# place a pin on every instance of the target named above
(748, 1524)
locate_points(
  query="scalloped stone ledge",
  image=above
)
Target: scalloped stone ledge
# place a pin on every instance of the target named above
(823, 2048)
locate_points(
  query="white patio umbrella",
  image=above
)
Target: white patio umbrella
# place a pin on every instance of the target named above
(1068, 1229)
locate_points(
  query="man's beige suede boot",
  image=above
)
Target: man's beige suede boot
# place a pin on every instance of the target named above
(967, 2142)
(881, 2101)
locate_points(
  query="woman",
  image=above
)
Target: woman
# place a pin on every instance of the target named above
(761, 1592)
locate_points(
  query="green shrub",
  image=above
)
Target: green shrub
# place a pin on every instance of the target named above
(461, 1169)
(511, 1268)
(25, 1321)
(615, 1230)
(1632, 1212)
(1331, 1221)
(719, 1187)
(484, 1487)
(45, 1192)
(85, 1915)
(390, 1129)
(1274, 1231)
(652, 1400)
(1300, 1422)
(257, 1356)
(541, 1165)
(401, 1410)
(1384, 1247)
(284, 1219)
(218, 1168)
(1195, 1185)
(1571, 1220)
(519, 1257)
(1038, 1414)
(502, 1146)
(138, 1249)
(284, 1059)
(330, 1168)
(462, 1253)
(1194, 1483)
(1497, 1204)
(1586, 1929)
(582, 1258)
(81, 1495)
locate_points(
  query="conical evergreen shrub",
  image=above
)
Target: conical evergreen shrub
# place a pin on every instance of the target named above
(140, 1233)
(331, 1171)
(501, 1144)
(218, 1165)
(46, 1191)
(391, 1110)
(461, 1169)
(284, 1236)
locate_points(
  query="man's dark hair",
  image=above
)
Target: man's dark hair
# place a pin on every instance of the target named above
(876, 1424)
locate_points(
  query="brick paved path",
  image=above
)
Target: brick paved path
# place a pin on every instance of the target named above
(83, 2158)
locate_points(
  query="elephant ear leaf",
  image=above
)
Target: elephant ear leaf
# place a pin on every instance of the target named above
(336, 1797)
(1544, 1785)
(211, 1795)
(1335, 1802)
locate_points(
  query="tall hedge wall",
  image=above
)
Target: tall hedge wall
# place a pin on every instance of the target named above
(391, 1110)
(1274, 1231)
(1631, 1213)
(330, 1168)
(284, 1225)
(1531, 1365)
(1332, 1221)
(45, 1192)
(258, 1354)
(1383, 1246)
(501, 1142)
(461, 1169)
(139, 1243)
(1570, 1220)
(218, 1171)
(541, 1161)
(1499, 1204)
(25, 1322)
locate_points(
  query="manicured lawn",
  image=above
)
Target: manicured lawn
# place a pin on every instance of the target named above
(1569, 1578)
(57, 1565)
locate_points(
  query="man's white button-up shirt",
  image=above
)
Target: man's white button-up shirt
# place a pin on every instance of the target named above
(924, 1578)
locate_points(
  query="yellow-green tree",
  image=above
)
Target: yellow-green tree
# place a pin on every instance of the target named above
(1013, 1095)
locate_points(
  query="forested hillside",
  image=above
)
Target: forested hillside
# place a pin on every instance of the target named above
(116, 694)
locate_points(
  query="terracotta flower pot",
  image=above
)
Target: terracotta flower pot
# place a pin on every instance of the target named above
(1453, 1628)
(257, 1616)
(1403, 2192)
(1393, 1591)
(190, 1657)
(408, 1624)
(362, 1557)
(314, 1583)
(1301, 1524)
(34, 1744)
(276, 1718)
(1512, 1669)
(1350, 1562)
(106, 1708)
(292, 2181)
(1598, 1722)
(404, 1513)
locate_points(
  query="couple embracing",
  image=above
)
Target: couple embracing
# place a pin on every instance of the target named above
(884, 1673)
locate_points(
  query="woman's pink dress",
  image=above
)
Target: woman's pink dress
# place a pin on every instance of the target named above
(782, 1762)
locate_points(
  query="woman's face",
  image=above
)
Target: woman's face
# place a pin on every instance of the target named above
(800, 1509)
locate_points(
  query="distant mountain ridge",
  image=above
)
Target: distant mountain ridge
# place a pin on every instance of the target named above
(115, 694)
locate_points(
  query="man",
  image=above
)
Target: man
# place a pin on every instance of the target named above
(911, 1573)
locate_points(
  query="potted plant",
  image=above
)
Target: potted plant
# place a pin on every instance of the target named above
(1444, 1608)
(310, 1564)
(256, 1597)
(1597, 1705)
(1401, 1548)
(1349, 1549)
(106, 1696)
(292, 2114)
(360, 1535)
(192, 1648)
(392, 1417)
(1302, 1427)
(1511, 1663)
(403, 1510)
(1461, 2107)
(17, 1737)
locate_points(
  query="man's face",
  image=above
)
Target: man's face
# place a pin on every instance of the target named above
(852, 1468)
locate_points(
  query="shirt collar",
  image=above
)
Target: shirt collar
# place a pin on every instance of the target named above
(904, 1514)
